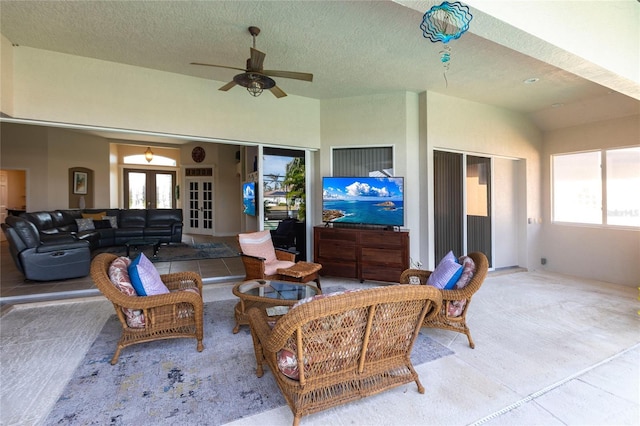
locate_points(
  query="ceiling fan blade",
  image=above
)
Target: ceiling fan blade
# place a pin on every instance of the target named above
(217, 66)
(256, 60)
(289, 74)
(278, 92)
(227, 86)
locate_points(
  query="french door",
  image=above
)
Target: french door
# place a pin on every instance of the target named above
(462, 204)
(149, 189)
(199, 209)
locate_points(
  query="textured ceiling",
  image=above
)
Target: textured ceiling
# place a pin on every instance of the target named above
(353, 48)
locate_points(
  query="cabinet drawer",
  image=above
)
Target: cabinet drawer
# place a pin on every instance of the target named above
(382, 238)
(381, 273)
(338, 269)
(333, 250)
(388, 257)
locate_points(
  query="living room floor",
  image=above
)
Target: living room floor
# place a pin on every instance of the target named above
(15, 289)
(550, 350)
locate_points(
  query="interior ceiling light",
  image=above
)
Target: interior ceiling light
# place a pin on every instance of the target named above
(531, 80)
(148, 155)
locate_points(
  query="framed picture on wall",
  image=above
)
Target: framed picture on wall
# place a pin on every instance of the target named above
(80, 182)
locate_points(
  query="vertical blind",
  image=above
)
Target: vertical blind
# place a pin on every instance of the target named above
(363, 161)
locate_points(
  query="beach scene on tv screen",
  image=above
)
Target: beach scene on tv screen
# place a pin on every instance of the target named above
(363, 200)
(249, 198)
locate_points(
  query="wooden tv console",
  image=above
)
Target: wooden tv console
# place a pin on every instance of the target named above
(365, 254)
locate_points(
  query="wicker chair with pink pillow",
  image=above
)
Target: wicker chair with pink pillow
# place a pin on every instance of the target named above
(456, 301)
(177, 313)
(261, 260)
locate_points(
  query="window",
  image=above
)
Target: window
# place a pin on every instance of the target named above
(374, 162)
(599, 187)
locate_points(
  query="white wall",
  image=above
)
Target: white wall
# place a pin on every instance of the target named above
(6, 76)
(385, 119)
(70, 89)
(460, 125)
(449, 123)
(602, 253)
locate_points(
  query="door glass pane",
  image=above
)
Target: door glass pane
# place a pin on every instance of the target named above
(194, 204)
(164, 191)
(137, 190)
(477, 189)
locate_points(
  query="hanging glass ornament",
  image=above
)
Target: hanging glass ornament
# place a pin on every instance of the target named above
(443, 23)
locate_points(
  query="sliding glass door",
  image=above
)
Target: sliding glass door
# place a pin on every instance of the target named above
(462, 204)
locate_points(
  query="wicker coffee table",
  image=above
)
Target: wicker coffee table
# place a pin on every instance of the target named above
(264, 294)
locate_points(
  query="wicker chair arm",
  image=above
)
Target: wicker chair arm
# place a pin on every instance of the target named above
(182, 280)
(420, 273)
(158, 300)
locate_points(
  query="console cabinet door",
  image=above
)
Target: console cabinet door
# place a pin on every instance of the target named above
(364, 254)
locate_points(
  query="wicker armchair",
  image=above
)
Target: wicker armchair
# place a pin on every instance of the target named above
(450, 317)
(171, 315)
(343, 347)
(261, 260)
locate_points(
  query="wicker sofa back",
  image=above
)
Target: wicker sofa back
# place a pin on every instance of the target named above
(343, 347)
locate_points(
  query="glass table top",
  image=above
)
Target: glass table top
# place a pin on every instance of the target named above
(277, 289)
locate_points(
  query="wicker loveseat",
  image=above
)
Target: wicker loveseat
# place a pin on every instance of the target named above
(340, 348)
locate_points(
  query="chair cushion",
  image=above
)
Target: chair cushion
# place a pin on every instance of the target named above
(446, 273)
(271, 268)
(259, 244)
(145, 277)
(119, 276)
(455, 307)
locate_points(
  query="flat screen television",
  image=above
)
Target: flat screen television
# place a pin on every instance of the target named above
(363, 200)
(249, 198)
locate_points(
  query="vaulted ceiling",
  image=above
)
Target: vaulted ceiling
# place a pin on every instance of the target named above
(353, 48)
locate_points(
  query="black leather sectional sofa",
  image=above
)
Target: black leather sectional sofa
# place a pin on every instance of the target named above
(164, 225)
(55, 245)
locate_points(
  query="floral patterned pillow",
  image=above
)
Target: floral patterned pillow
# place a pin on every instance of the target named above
(468, 269)
(119, 276)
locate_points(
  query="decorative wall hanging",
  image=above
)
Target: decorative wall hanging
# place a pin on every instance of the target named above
(444, 23)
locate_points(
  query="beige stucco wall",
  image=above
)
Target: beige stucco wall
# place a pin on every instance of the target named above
(70, 89)
(471, 127)
(6, 76)
(602, 253)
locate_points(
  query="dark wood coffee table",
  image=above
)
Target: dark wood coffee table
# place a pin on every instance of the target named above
(264, 294)
(140, 242)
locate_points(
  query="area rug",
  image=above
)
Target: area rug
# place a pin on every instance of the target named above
(178, 251)
(169, 382)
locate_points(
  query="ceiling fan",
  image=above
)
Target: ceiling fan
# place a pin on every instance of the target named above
(256, 79)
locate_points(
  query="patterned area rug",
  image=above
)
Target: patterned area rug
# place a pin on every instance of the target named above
(177, 252)
(169, 382)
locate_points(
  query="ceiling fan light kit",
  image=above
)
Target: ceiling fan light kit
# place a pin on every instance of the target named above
(254, 78)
